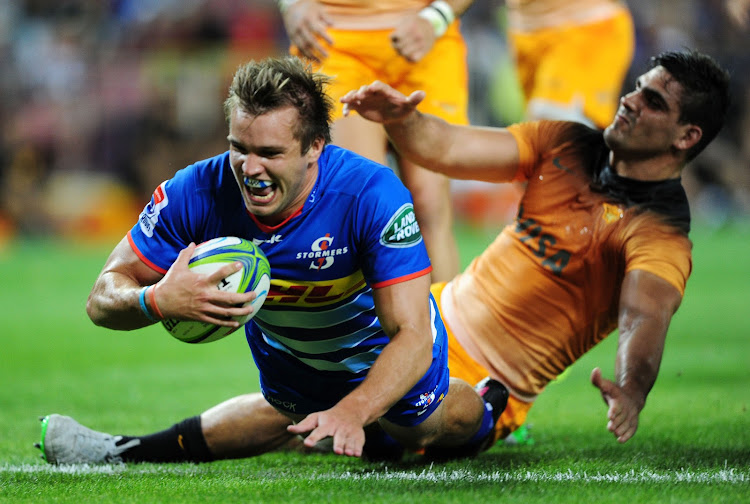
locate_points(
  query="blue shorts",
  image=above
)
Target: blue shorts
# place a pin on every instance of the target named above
(290, 387)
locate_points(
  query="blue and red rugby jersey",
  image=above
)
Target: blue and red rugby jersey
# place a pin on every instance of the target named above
(317, 334)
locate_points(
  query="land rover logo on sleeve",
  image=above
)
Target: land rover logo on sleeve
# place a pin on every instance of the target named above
(402, 230)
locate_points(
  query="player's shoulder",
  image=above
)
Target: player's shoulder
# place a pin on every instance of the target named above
(350, 173)
(555, 132)
(207, 172)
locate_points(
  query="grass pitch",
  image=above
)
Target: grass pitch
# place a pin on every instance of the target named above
(693, 444)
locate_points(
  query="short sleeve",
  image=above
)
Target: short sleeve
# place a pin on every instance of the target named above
(391, 242)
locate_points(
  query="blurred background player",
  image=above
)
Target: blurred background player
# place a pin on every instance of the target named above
(571, 57)
(409, 44)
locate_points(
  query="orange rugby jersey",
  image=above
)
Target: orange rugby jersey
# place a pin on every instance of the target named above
(547, 289)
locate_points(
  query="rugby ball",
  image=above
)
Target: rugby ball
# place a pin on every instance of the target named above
(255, 275)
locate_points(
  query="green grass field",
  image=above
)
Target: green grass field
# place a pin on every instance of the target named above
(693, 444)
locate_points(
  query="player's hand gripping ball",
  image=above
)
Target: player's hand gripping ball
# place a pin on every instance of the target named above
(254, 275)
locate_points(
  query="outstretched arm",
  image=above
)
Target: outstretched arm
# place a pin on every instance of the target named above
(404, 313)
(647, 304)
(463, 152)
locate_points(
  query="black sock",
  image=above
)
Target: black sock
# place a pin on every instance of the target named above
(183, 442)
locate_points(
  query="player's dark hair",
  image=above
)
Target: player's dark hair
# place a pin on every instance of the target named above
(274, 83)
(705, 98)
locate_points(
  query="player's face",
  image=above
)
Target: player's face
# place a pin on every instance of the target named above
(646, 124)
(274, 177)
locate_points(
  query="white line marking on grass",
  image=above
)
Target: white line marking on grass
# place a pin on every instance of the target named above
(728, 475)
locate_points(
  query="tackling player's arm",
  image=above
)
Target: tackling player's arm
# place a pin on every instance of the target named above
(115, 299)
(647, 304)
(461, 152)
(404, 313)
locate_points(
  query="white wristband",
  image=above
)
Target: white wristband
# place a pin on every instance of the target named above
(285, 4)
(438, 13)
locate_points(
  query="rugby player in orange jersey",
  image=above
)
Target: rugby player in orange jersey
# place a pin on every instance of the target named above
(571, 57)
(600, 243)
(601, 237)
(408, 44)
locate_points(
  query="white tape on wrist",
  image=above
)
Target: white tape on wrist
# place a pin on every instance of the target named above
(439, 14)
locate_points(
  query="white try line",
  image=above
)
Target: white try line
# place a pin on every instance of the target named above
(728, 475)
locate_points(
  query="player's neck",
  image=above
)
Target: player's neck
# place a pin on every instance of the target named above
(652, 169)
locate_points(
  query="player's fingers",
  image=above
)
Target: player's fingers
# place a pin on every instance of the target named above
(596, 377)
(183, 258)
(320, 31)
(307, 424)
(627, 433)
(228, 312)
(220, 274)
(222, 322)
(349, 444)
(416, 97)
(319, 433)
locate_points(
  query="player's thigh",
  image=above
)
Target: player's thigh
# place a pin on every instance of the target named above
(361, 136)
(583, 72)
(443, 75)
(356, 58)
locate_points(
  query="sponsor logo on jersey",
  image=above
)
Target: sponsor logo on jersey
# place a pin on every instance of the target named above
(280, 403)
(284, 292)
(426, 399)
(402, 230)
(273, 239)
(150, 215)
(322, 253)
(612, 213)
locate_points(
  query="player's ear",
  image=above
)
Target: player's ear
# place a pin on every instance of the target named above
(690, 135)
(315, 150)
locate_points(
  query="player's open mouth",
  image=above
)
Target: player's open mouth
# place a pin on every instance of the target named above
(260, 191)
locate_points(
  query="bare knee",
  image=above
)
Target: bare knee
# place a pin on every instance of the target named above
(453, 423)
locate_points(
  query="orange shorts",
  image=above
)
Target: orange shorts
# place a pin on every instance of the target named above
(575, 66)
(464, 367)
(359, 57)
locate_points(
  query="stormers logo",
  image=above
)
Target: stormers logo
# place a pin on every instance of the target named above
(322, 253)
(402, 230)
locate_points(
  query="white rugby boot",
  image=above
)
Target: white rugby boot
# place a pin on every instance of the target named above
(65, 441)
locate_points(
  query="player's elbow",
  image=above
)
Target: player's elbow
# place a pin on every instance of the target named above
(94, 312)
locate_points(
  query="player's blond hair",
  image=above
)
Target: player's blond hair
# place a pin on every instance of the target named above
(273, 83)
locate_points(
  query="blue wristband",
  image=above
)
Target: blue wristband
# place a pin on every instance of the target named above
(144, 308)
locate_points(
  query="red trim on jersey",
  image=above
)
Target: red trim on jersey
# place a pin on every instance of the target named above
(143, 258)
(270, 229)
(394, 281)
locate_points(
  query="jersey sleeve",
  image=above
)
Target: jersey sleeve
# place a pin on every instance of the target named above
(656, 247)
(534, 138)
(391, 243)
(164, 226)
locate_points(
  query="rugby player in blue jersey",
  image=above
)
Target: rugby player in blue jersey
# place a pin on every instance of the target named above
(349, 335)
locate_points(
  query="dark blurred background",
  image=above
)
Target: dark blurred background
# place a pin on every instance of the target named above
(100, 101)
